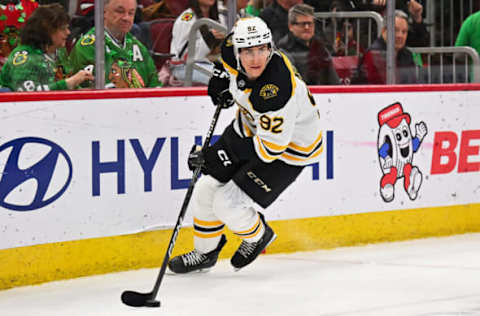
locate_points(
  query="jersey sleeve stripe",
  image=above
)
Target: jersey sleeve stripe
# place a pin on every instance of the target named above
(265, 154)
(298, 157)
(272, 146)
(308, 148)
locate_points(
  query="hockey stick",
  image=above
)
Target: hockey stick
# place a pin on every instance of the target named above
(136, 299)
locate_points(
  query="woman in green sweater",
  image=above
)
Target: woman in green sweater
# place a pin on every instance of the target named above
(39, 63)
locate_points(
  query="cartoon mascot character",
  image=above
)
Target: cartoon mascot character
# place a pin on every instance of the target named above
(396, 146)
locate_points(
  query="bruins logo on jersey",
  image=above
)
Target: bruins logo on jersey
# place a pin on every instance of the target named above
(187, 16)
(20, 58)
(269, 91)
(88, 40)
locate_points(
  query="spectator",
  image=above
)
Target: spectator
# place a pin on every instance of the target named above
(469, 34)
(276, 17)
(13, 15)
(254, 7)
(319, 5)
(418, 35)
(340, 34)
(37, 63)
(307, 51)
(207, 41)
(372, 67)
(119, 45)
(345, 42)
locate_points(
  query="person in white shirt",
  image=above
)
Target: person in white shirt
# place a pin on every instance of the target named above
(208, 40)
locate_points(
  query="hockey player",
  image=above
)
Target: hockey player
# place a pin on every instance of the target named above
(275, 134)
(38, 63)
(119, 45)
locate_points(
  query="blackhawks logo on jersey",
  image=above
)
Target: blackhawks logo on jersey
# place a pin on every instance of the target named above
(20, 57)
(269, 91)
(124, 75)
(187, 16)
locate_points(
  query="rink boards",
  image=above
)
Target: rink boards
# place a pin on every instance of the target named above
(91, 182)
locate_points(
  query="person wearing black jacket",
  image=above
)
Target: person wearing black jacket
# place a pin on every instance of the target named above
(305, 49)
(276, 17)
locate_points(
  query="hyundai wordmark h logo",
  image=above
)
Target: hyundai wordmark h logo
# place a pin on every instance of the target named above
(34, 172)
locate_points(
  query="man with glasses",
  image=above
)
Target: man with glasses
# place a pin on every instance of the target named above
(306, 49)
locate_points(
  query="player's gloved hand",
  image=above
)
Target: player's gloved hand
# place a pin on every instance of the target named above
(195, 158)
(218, 87)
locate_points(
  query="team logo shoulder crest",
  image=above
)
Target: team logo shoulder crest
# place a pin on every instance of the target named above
(88, 40)
(20, 58)
(269, 91)
(187, 16)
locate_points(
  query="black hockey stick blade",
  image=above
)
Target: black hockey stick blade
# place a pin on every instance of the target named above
(135, 299)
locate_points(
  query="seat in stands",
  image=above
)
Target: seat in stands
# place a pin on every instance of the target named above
(156, 35)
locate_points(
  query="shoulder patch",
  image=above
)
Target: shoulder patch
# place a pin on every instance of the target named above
(274, 88)
(87, 40)
(269, 91)
(187, 16)
(20, 58)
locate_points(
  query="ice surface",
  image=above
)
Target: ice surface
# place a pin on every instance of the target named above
(427, 277)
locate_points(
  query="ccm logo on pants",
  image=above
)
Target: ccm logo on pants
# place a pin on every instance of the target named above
(258, 181)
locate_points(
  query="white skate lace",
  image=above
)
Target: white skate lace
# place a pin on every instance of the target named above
(193, 258)
(247, 248)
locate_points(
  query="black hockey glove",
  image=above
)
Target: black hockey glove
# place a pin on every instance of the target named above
(195, 158)
(218, 87)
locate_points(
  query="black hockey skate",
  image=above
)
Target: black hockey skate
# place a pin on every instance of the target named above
(196, 261)
(249, 251)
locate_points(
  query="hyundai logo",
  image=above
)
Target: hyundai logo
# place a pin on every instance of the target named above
(35, 173)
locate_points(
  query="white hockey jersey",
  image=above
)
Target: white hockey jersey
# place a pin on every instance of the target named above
(180, 32)
(277, 111)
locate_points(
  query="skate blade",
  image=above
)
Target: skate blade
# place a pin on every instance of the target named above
(170, 272)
